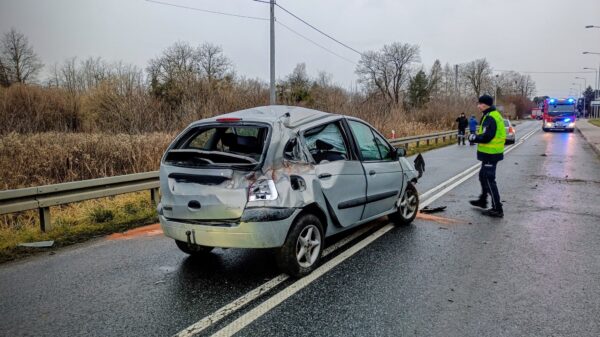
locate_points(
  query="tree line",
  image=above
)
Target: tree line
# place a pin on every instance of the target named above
(184, 83)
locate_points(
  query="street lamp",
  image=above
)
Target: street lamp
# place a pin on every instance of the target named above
(596, 78)
(597, 92)
(583, 93)
(584, 81)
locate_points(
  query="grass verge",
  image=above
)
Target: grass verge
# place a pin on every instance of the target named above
(413, 149)
(74, 223)
(595, 122)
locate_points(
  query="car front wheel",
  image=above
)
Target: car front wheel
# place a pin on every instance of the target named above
(302, 250)
(408, 206)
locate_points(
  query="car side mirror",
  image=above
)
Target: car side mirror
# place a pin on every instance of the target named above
(400, 152)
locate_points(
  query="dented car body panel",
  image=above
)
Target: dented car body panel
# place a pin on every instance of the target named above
(239, 180)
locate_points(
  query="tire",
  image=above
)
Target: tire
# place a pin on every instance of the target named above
(305, 239)
(192, 249)
(407, 207)
(545, 130)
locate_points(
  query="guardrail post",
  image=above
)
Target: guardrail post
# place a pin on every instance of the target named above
(154, 196)
(44, 219)
(417, 143)
(444, 139)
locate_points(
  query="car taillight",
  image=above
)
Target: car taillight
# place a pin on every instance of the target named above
(511, 130)
(262, 190)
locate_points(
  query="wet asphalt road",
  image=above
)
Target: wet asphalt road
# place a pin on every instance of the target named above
(533, 273)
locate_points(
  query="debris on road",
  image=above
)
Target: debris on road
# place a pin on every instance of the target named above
(38, 244)
(428, 210)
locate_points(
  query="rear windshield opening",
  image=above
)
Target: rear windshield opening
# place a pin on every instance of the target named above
(220, 146)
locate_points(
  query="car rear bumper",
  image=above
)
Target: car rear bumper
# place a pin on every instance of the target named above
(243, 234)
(554, 128)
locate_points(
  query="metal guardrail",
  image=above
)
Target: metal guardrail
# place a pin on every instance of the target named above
(44, 197)
(405, 141)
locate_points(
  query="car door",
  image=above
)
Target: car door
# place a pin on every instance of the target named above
(383, 172)
(339, 172)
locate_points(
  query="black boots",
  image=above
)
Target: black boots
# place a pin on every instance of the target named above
(495, 213)
(481, 202)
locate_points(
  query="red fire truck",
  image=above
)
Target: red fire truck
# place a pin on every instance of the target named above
(559, 114)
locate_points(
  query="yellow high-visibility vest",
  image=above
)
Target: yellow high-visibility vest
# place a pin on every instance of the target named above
(496, 146)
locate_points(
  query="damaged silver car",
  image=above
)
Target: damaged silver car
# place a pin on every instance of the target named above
(280, 177)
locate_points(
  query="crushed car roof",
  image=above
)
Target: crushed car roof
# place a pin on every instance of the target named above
(297, 115)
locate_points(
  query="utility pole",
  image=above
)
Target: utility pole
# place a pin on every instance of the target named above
(272, 98)
(456, 79)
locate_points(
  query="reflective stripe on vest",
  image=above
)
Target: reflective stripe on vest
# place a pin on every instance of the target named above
(496, 146)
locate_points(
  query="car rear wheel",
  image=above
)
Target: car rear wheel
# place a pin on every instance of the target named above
(408, 206)
(302, 250)
(192, 249)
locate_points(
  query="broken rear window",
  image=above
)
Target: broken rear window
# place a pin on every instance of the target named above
(220, 145)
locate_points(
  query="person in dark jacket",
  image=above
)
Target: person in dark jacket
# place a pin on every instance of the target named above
(472, 127)
(462, 126)
(490, 150)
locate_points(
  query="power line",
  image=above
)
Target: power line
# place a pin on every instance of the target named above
(208, 11)
(313, 42)
(317, 29)
(548, 72)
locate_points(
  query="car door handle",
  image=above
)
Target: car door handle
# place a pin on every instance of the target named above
(372, 172)
(324, 175)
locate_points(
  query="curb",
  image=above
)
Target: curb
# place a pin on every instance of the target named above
(595, 147)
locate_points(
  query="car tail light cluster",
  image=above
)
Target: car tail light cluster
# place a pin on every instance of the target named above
(262, 190)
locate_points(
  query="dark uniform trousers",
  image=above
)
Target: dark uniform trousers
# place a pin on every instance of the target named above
(487, 178)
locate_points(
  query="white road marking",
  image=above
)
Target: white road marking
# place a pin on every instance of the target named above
(240, 302)
(270, 303)
(281, 296)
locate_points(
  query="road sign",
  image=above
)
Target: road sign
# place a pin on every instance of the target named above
(595, 103)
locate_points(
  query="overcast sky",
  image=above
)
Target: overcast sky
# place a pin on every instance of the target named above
(520, 35)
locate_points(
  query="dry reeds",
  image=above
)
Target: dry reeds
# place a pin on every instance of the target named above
(48, 158)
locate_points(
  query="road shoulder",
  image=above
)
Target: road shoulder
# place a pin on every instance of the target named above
(590, 133)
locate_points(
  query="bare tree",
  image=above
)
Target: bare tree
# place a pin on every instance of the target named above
(213, 64)
(477, 75)
(4, 79)
(435, 78)
(20, 64)
(387, 71)
(177, 62)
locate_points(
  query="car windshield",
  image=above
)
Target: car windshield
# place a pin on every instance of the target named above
(558, 110)
(506, 123)
(220, 145)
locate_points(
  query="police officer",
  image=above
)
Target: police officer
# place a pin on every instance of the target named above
(490, 150)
